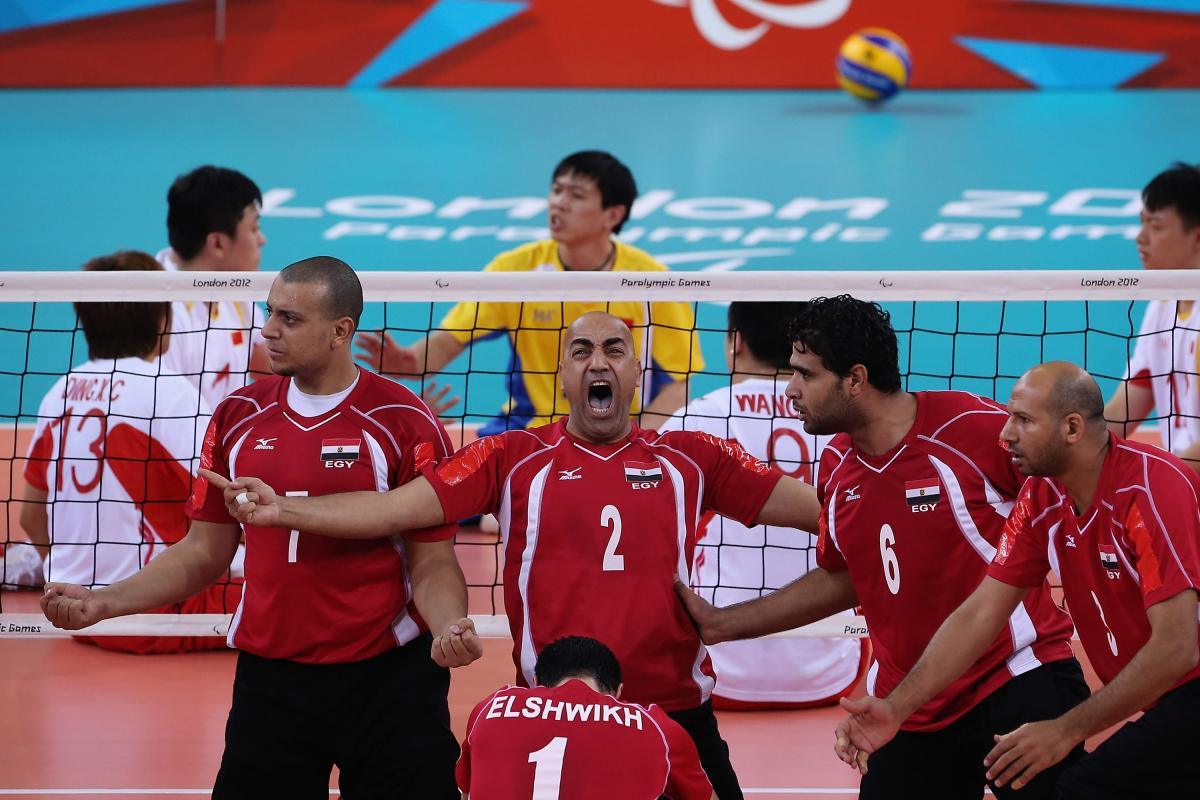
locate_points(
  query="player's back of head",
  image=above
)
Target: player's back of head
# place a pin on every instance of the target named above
(123, 330)
(206, 200)
(343, 295)
(1176, 187)
(578, 657)
(766, 329)
(844, 331)
(613, 179)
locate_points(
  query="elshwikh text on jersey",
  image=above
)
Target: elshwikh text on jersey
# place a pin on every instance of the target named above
(544, 708)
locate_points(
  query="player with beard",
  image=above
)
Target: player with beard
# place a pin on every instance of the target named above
(1120, 524)
(598, 517)
(914, 490)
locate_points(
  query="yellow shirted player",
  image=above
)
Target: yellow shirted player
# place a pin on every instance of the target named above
(591, 193)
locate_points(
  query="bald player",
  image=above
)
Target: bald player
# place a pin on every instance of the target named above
(1118, 521)
(599, 517)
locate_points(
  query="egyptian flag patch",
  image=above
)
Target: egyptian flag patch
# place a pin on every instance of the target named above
(639, 471)
(922, 491)
(1108, 557)
(340, 449)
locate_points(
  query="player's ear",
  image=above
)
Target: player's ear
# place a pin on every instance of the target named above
(343, 331)
(1073, 427)
(620, 688)
(857, 378)
(613, 215)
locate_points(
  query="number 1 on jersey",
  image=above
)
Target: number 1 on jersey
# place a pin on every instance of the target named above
(294, 538)
(547, 772)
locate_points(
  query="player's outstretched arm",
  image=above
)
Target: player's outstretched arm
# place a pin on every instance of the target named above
(958, 643)
(1169, 654)
(791, 504)
(349, 515)
(194, 563)
(440, 594)
(429, 356)
(1128, 408)
(805, 600)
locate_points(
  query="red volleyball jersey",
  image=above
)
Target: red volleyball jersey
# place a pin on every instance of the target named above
(594, 536)
(917, 528)
(1138, 544)
(571, 742)
(307, 597)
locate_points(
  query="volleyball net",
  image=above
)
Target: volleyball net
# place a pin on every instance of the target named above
(976, 331)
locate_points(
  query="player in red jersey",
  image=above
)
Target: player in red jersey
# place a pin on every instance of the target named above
(1119, 522)
(597, 515)
(915, 490)
(335, 665)
(561, 740)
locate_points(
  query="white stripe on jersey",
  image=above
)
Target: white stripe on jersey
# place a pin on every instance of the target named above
(872, 676)
(1154, 506)
(994, 498)
(831, 501)
(1051, 550)
(378, 462)
(1024, 634)
(703, 682)
(233, 454)
(532, 529)
(962, 515)
(880, 470)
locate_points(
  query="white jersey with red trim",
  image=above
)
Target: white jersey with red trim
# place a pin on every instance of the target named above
(735, 563)
(1166, 358)
(571, 742)
(1138, 544)
(917, 527)
(211, 342)
(594, 536)
(315, 598)
(114, 449)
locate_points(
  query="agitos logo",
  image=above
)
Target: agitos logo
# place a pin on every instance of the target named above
(724, 34)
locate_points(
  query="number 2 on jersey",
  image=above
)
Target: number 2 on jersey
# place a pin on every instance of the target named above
(611, 517)
(548, 766)
(891, 565)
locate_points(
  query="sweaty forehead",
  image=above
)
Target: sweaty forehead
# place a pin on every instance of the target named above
(597, 329)
(304, 296)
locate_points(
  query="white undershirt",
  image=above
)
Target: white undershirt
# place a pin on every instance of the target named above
(314, 405)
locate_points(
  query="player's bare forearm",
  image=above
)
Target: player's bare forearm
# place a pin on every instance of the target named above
(438, 586)
(1128, 407)
(791, 504)
(436, 351)
(958, 643)
(1169, 654)
(34, 520)
(806, 600)
(1191, 456)
(189, 566)
(671, 398)
(364, 515)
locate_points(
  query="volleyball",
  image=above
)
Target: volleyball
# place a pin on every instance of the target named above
(874, 64)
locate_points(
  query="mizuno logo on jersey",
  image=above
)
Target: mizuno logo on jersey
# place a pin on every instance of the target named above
(852, 493)
(265, 444)
(569, 474)
(1070, 540)
(340, 450)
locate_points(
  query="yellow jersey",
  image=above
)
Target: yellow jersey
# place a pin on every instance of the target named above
(666, 331)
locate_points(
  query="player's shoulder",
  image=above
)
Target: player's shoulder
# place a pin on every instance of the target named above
(702, 444)
(952, 413)
(635, 259)
(248, 400)
(527, 257)
(1155, 470)
(378, 394)
(837, 448)
(707, 412)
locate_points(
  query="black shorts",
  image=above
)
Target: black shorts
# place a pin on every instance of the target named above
(384, 722)
(701, 724)
(947, 764)
(1151, 757)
